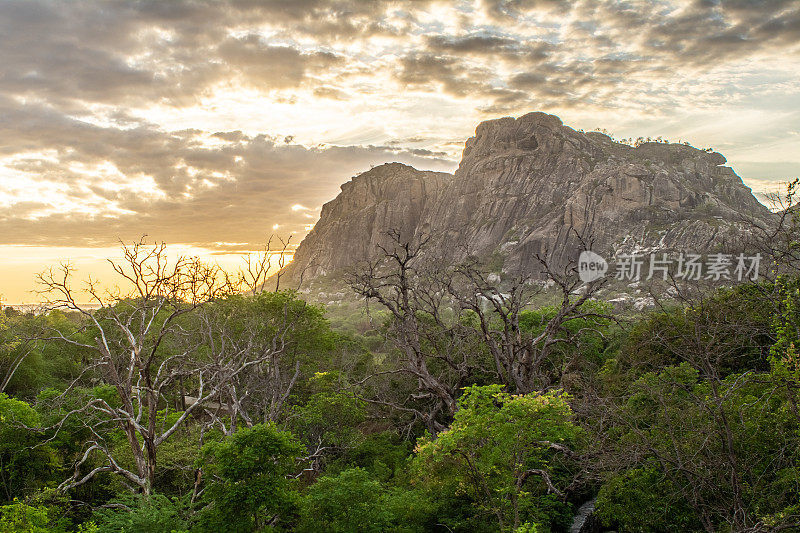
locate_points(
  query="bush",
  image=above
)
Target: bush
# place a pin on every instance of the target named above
(22, 518)
(641, 500)
(347, 502)
(155, 514)
(23, 467)
(249, 484)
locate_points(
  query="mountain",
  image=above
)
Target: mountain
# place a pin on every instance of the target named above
(390, 196)
(523, 187)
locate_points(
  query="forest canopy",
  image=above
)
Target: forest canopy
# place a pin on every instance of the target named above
(200, 401)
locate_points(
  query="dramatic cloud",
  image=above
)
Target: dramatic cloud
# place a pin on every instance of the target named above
(184, 186)
(204, 122)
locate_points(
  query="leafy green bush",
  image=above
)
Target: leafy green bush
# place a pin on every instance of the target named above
(155, 514)
(383, 455)
(249, 487)
(24, 463)
(345, 503)
(643, 500)
(22, 518)
(331, 415)
(501, 451)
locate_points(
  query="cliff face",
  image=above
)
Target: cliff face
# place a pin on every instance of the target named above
(523, 186)
(353, 225)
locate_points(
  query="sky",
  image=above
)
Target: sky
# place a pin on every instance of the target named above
(211, 125)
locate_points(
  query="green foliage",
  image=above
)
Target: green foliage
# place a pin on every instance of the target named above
(734, 325)
(248, 479)
(269, 313)
(24, 462)
(155, 514)
(694, 390)
(739, 424)
(643, 500)
(688, 398)
(69, 433)
(251, 323)
(785, 353)
(345, 503)
(415, 510)
(331, 415)
(383, 455)
(30, 365)
(22, 518)
(176, 458)
(497, 452)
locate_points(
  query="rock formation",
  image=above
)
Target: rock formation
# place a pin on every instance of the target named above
(523, 187)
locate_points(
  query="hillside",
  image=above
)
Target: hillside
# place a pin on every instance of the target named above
(524, 187)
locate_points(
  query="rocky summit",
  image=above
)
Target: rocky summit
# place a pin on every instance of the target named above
(523, 187)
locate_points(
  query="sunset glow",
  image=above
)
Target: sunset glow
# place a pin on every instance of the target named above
(224, 122)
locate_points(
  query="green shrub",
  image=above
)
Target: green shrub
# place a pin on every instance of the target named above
(344, 503)
(155, 514)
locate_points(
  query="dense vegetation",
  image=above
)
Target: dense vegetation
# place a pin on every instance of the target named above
(452, 406)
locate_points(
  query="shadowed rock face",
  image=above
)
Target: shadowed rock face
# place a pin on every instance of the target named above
(354, 224)
(521, 185)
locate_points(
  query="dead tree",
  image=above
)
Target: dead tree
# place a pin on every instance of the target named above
(260, 337)
(452, 324)
(433, 346)
(777, 238)
(521, 356)
(143, 350)
(257, 267)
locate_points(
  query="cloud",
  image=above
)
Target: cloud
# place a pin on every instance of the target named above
(123, 117)
(263, 65)
(478, 44)
(597, 54)
(456, 77)
(172, 52)
(178, 53)
(197, 193)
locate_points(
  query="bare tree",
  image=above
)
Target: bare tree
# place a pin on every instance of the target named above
(258, 267)
(521, 356)
(142, 349)
(261, 332)
(777, 238)
(432, 306)
(434, 349)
